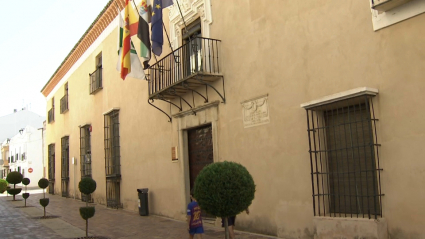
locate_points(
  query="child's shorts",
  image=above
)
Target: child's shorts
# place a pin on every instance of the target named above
(196, 230)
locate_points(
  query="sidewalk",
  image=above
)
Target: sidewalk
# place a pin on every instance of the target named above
(108, 223)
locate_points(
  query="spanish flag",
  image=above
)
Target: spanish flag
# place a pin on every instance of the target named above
(128, 62)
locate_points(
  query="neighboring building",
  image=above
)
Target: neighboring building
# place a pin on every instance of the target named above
(320, 108)
(25, 149)
(4, 166)
(10, 125)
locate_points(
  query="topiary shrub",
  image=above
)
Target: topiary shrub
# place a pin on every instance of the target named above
(44, 183)
(87, 186)
(3, 185)
(26, 181)
(224, 189)
(14, 178)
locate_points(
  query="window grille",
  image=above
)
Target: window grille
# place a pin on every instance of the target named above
(51, 172)
(85, 151)
(344, 157)
(112, 159)
(51, 112)
(96, 76)
(64, 100)
(65, 166)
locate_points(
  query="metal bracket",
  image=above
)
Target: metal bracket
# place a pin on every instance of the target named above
(173, 92)
(170, 119)
(185, 85)
(207, 84)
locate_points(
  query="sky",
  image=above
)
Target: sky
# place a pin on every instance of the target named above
(35, 38)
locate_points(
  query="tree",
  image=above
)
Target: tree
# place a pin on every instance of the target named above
(224, 189)
(87, 186)
(44, 183)
(26, 195)
(3, 185)
(14, 178)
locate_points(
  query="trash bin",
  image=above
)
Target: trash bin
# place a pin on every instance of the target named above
(143, 201)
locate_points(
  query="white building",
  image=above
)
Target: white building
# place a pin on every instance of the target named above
(25, 154)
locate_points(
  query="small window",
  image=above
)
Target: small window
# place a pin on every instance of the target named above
(64, 100)
(51, 113)
(96, 77)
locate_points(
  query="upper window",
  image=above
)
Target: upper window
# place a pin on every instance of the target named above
(51, 113)
(344, 158)
(64, 100)
(96, 77)
(389, 12)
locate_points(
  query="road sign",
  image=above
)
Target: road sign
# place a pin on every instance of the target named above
(30, 170)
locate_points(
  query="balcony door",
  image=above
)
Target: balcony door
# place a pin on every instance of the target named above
(192, 48)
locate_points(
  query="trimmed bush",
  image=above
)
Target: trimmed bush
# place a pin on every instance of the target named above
(14, 191)
(14, 178)
(25, 196)
(44, 202)
(26, 181)
(224, 189)
(43, 183)
(3, 185)
(87, 186)
(87, 212)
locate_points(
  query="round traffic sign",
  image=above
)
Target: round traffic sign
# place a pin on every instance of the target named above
(30, 170)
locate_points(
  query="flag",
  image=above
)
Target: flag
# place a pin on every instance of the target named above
(134, 20)
(145, 13)
(128, 62)
(157, 34)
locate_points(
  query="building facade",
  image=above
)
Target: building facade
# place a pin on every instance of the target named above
(310, 96)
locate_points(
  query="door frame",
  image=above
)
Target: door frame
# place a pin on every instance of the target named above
(186, 120)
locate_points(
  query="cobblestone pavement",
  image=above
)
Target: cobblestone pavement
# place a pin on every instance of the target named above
(110, 223)
(16, 224)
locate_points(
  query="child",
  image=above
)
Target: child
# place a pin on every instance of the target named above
(194, 218)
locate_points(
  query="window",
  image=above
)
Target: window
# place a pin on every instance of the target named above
(64, 100)
(344, 158)
(112, 159)
(96, 76)
(85, 151)
(192, 44)
(51, 113)
(65, 165)
(51, 163)
(389, 12)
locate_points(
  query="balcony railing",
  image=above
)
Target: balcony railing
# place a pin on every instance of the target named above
(199, 57)
(95, 81)
(64, 104)
(51, 115)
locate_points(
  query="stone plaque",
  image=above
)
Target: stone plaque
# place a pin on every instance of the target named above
(255, 111)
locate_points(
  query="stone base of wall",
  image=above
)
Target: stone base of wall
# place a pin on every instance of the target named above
(350, 228)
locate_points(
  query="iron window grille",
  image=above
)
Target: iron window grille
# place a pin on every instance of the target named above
(51, 112)
(112, 159)
(96, 80)
(65, 166)
(85, 151)
(64, 101)
(51, 171)
(344, 157)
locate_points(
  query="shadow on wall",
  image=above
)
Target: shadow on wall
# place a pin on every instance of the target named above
(398, 233)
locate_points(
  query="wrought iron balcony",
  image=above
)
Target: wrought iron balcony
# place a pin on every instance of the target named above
(64, 104)
(51, 115)
(194, 64)
(96, 81)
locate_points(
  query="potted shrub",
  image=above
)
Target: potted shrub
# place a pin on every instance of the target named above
(14, 178)
(44, 183)
(26, 181)
(3, 185)
(87, 186)
(224, 189)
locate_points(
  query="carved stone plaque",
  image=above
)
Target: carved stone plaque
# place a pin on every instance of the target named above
(255, 111)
